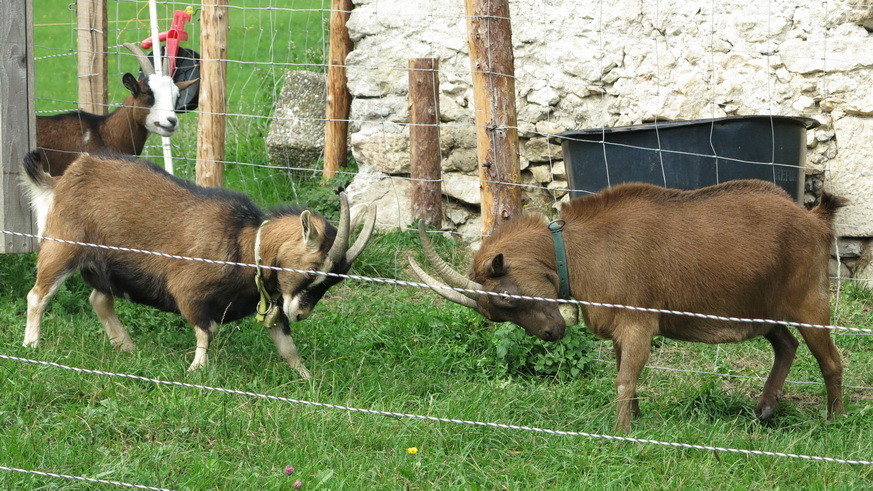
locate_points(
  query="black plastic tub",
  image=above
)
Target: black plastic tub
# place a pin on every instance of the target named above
(688, 154)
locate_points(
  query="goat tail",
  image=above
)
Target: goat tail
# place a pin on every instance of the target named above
(37, 176)
(42, 187)
(828, 206)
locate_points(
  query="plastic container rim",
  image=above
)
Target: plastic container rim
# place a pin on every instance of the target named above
(808, 123)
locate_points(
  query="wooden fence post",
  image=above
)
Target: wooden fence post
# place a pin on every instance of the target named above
(424, 140)
(213, 93)
(92, 65)
(17, 123)
(493, 67)
(338, 98)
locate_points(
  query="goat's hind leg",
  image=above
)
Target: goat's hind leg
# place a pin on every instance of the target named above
(817, 311)
(784, 348)
(104, 306)
(54, 265)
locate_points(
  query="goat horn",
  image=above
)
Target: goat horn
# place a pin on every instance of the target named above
(443, 268)
(144, 63)
(341, 242)
(165, 67)
(570, 313)
(441, 289)
(364, 237)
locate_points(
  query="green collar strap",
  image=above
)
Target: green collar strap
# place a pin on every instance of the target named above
(557, 228)
(267, 313)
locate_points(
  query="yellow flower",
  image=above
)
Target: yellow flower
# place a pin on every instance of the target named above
(412, 450)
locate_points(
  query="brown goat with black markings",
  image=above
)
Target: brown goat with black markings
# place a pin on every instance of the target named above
(125, 202)
(739, 249)
(150, 108)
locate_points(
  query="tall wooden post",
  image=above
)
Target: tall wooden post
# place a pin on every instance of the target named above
(493, 67)
(338, 98)
(92, 65)
(213, 93)
(424, 139)
(17, 123)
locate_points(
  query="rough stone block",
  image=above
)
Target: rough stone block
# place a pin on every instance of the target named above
(850, 248)
(392, 197)
(849, 176)
(296, 137)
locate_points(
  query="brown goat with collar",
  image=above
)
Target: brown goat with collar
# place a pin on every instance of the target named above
(738, 249)
(124, 202)
(150, 108)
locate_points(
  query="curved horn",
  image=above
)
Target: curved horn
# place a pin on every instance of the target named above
(144, 63)
(452, 277)
(341, 242)
(441, 289)
(364, 237)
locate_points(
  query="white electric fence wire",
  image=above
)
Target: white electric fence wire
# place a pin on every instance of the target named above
(391, 281)
(439, 419)
(80, 478)
(156, 50)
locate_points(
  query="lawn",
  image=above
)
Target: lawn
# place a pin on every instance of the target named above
(392, 348)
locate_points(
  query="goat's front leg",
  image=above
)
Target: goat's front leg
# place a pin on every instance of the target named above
(281, 336)
(633, 349)
(635, 402)
(204, 332)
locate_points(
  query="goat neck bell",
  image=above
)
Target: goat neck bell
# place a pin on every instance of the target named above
(267, 313)
(569, 311)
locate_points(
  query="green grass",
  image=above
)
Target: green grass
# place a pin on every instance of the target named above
(397, 349)
(389, 348)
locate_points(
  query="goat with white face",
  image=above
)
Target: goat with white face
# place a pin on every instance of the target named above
(150, 108)
(122, 201)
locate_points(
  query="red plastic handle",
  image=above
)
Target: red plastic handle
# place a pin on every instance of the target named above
(172, 37)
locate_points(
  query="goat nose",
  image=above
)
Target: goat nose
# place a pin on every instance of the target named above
(172, 121)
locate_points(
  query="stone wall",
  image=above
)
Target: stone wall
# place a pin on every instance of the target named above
(610, 63)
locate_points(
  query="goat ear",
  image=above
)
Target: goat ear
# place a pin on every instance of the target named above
(131, 83)
(497, 267)
(187, 83)
(310, 233)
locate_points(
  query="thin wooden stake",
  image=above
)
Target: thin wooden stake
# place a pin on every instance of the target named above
(92, 65)
(338, 98)
(213, 93)
(424, 139)
(493, 66)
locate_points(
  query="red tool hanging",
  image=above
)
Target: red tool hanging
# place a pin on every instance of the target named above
(172, 37)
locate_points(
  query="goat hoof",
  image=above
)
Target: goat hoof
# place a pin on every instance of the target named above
(31, 343)
(765, 412)
(303, 372)
(126, 347)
